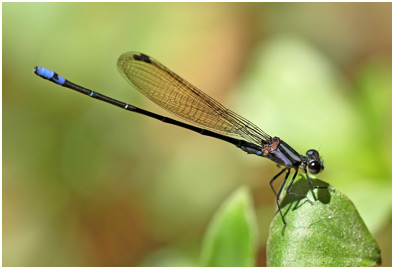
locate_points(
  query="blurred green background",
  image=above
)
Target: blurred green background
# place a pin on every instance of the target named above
(87, 184)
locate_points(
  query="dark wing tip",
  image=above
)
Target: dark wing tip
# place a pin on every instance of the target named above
(142, 57)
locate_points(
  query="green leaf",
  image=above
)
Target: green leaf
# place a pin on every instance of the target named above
(323, 230)
(231, 239)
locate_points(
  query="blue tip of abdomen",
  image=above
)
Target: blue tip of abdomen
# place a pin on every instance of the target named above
(49, 74)
(43, 72)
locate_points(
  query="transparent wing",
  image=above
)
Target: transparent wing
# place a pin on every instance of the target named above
(181, 98)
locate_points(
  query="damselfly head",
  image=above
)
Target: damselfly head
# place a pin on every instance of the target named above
(315, 165)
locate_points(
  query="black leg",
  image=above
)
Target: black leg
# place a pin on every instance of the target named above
(275, 177)
(291, 184)
(280, 192)
(310, 182)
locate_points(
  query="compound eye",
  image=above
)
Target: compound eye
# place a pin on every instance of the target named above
(314, 167)
(312, 154)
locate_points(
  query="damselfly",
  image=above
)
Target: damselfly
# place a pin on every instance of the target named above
(206, 115)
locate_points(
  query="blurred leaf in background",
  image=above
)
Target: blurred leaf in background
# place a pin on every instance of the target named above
(87, 184)
(231, 237)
